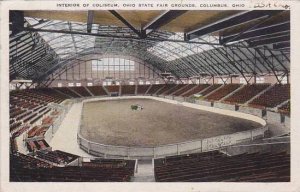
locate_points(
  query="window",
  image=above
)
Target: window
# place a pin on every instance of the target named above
(117, 83)
(148, 83)
(260, 79)
(89, 84)
(108, 83)
(220, 81)
(131, 82)
(156, 82)
(205, 81)
(113, 64)
(71, 84)
(141, 82)
(243, 81)
(78, 84)
(59, 84)
(284, 80)
(104, 83)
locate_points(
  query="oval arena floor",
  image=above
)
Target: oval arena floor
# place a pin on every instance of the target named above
(114, 123)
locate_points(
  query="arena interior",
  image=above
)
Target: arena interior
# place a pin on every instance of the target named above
(149, 95)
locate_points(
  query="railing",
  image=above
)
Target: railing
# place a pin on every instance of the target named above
(271, 146)
(63, 108)
(200, 145)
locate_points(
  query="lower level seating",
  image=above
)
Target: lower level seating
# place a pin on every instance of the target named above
(210, 89)
(97, 90)
(142, 89)
(57, 156)
(184, 89)
(81, 91)
(216, 167)
(174, 89)
(273, 97)
(166, 88)
(25, 168)
(113, 88)
(67, 91)
(246, 93)
(286, 108)
(195, 90)
(128, 89)
(222, 92)
(36, 145)
(155, 88)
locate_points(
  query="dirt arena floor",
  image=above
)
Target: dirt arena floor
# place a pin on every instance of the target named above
(114, 123)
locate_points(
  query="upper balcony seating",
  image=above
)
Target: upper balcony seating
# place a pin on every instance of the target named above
(222, 92)
(154, 88)
(246, 93)
(217, 167)
(81, 91)
(128, 89)
(142, 89)
(273, 97)
(195, 90)
(97, 90)
(165, 88)
(183, 90)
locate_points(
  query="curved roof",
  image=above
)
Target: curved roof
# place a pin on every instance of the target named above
(196, 43)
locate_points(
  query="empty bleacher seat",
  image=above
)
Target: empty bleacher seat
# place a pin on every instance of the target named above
(246, 93)
(216, 167)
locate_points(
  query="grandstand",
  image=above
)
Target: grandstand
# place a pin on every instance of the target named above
(212, 88)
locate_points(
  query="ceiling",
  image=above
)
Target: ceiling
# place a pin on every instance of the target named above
(185, 43)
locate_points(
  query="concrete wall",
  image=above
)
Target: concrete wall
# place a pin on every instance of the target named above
(287, 122)
(252, 111)
(224, 106)
(273, 117)
(202, 102)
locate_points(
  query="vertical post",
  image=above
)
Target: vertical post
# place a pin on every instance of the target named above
(201, 145)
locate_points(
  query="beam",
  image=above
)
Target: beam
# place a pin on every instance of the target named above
(163, 19)
(124, 21)
(17, 20)
(116, 36)
(235, 20)
(280, 62)
(259, 42)
(90, 19)
(282, 45)
(260, 32)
